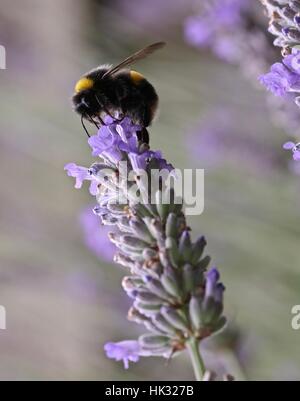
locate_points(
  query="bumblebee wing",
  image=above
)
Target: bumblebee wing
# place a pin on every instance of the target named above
(146, 51)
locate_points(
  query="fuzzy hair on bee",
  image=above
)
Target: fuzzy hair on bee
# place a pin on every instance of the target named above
(118, 92)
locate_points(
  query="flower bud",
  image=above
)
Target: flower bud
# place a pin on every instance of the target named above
(147, 297)
(149, 254)
(185, 246)
(175, 318)
(161, 322)
(173, 252)
(153, 341)
(190, 280)
(123, 260)
(171, 225)
(135, 316)
(140, 230)
(170, 280)
(162, 208)
(197, 249)
(220, 324)
(203, 263)
(156, 287)
(133, 242)
(147, 309)
(195, 312)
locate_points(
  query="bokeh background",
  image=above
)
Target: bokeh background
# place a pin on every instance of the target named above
(64, 301)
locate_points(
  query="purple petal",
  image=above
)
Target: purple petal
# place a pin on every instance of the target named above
(296, 155)
(128, 350)
(93, 187)
(288, 145)
(212, 278)
(78, 172)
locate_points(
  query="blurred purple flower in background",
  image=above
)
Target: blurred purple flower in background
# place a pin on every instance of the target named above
(96, 235)
(209, 29)
(222, 139)
(155, 14)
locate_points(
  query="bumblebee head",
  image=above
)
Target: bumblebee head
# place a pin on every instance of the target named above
(83, 84)
(84, 101)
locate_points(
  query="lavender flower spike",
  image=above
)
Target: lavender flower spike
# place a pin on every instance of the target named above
(173, 296)
(284, 24)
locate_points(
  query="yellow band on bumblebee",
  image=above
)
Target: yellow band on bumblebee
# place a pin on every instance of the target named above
(83, 84)
(136, 77)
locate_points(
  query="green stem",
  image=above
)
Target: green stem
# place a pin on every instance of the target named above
(197, 362)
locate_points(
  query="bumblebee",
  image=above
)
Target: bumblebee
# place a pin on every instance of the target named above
(118, 91)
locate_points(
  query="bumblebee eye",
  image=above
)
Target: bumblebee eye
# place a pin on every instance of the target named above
(83, 84)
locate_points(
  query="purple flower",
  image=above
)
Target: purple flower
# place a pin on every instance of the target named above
(219, 140)
(141, 160)
(197, 31)
(283, 77)
(211, 280)
(292, 61)
(81, 174)
(280, 79)
(106, 143)
(112, 140)
(295, 148)
(125, 351)
(212, 287)
(96, 235)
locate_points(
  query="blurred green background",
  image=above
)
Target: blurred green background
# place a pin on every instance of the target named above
(62, 302)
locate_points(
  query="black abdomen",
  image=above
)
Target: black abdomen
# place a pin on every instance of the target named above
(137, 97)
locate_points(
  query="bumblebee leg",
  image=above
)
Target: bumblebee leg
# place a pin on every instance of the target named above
(84, 127)
(94, 122)
(108, 112)
(143, 135)
(101, 121)
(118, 120)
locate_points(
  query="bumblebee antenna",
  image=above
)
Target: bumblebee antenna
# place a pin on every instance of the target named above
(84, 127)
